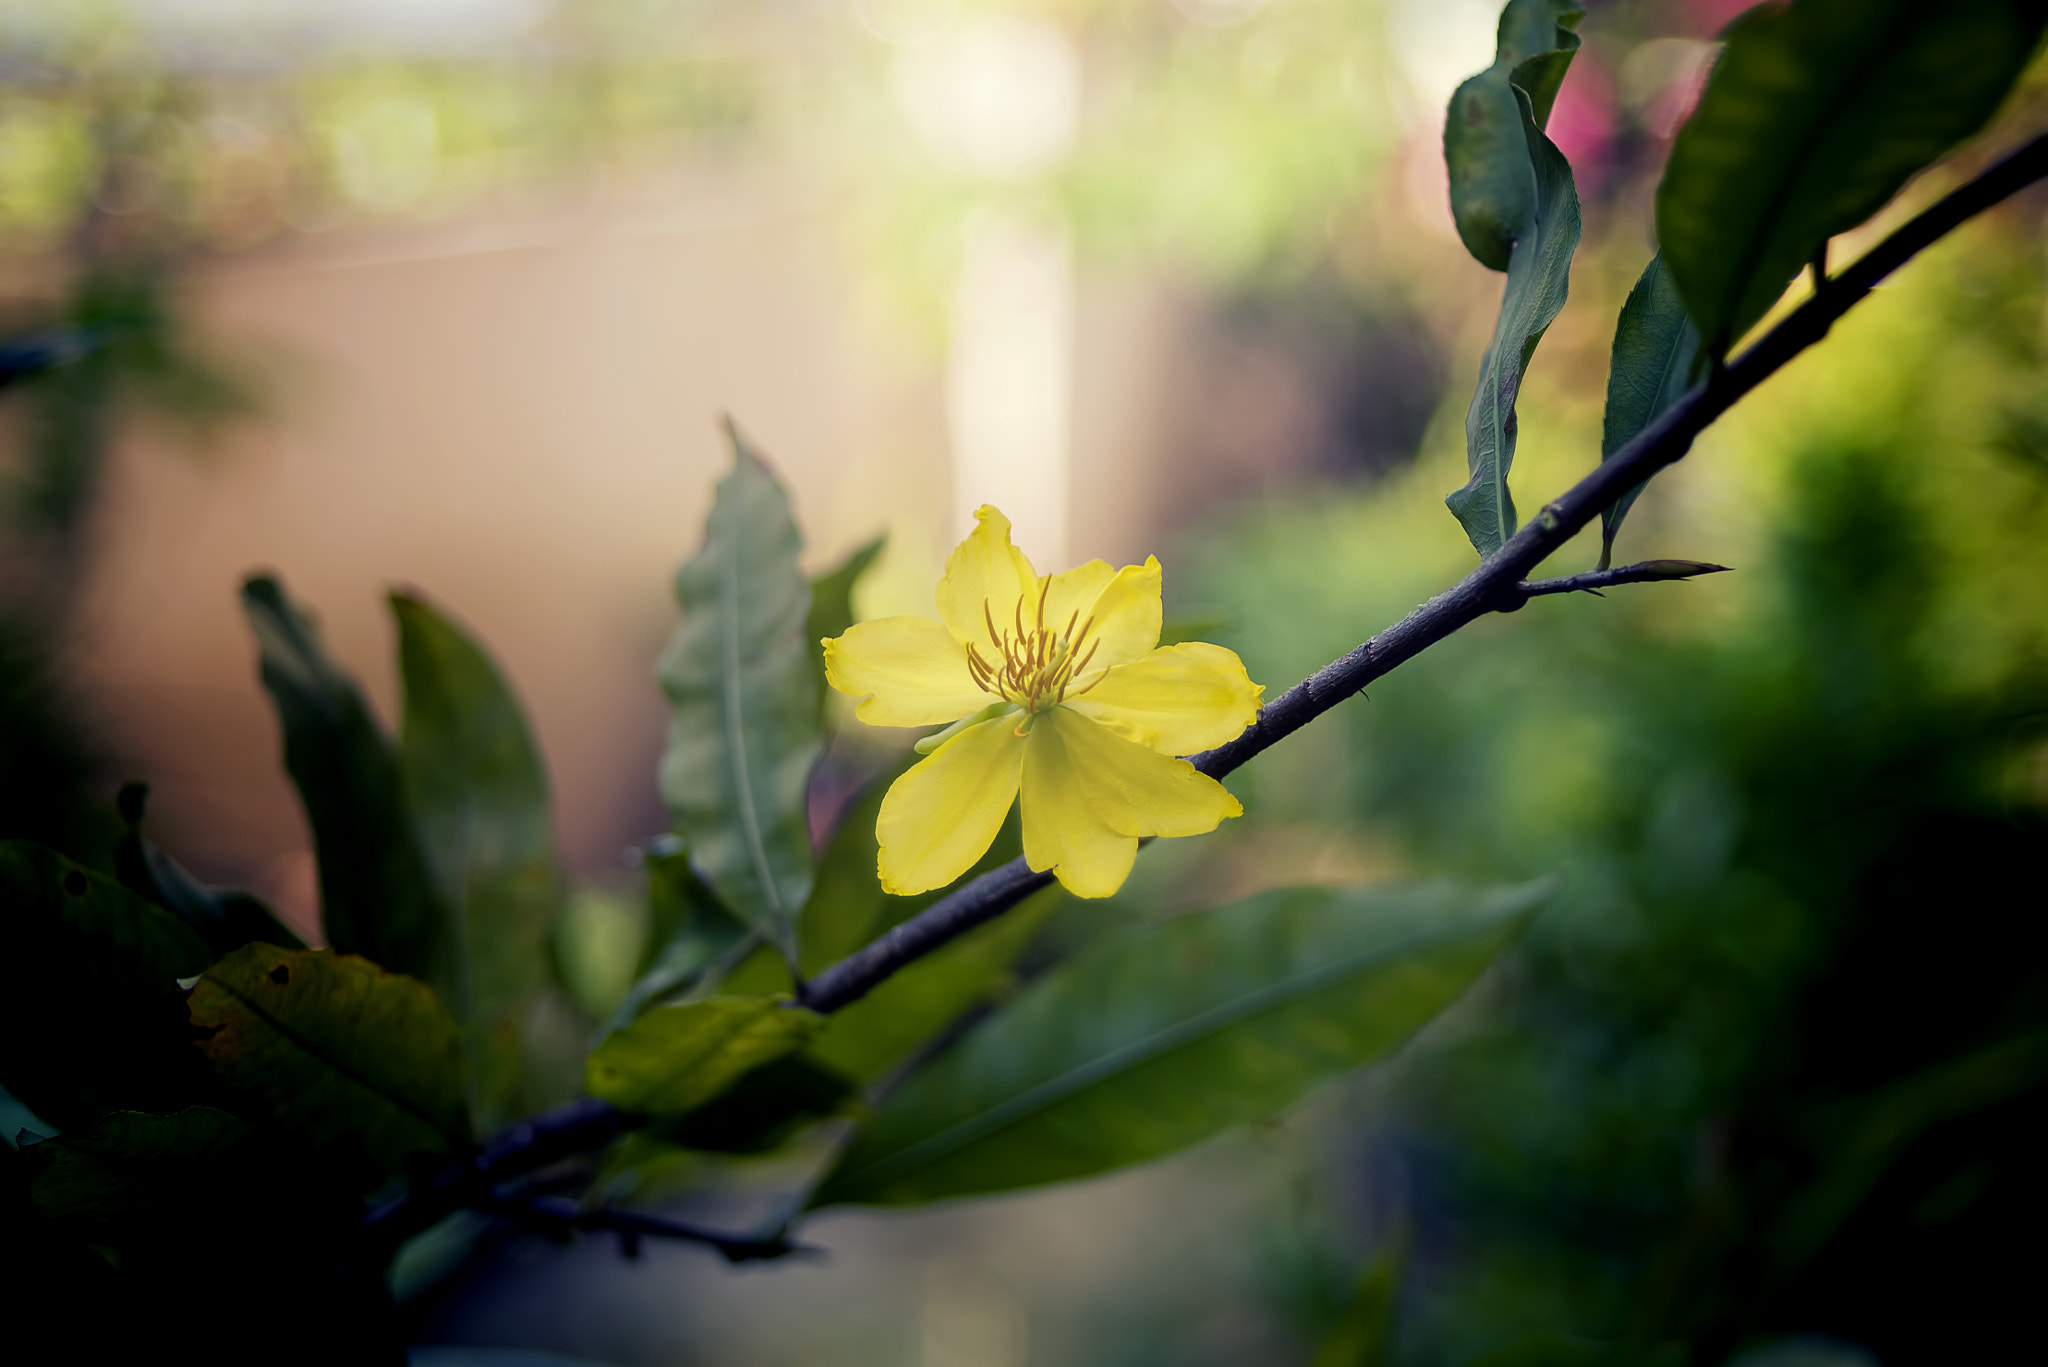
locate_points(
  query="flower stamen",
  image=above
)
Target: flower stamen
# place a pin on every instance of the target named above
(1036, 667)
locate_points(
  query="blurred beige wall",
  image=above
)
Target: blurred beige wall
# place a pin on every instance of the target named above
(517, 413)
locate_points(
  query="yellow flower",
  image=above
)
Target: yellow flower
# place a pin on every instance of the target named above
(1055, 685)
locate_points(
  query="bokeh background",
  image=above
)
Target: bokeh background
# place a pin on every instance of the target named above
(453, 293)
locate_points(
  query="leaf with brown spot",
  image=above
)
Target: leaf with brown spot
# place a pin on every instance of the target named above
(340, 1055)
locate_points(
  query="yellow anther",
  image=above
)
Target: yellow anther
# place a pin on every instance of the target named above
(1035, 668)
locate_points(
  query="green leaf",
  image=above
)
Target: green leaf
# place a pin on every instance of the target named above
(1816, 115)
(755, 969)
(764, 1107)
(130, 1165)
(377, 894)
(848, 909)
(226, 918)
(1885, 1127)
(332, 1050)
(865, 1039)
(1195, 624)
(1539, 270)
(1517, 210)
(690, 931)
(1657, 358)
(1362, 1336)
(744, 703)
(1160, 1037)
(832, 607)
(1493, 181)
(98, 1016)
(675, 1058)
(478, 794)
(644, 1168)
(1536, 42)
(598, 945)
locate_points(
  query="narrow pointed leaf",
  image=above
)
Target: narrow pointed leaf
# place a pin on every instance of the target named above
(1657, 358)
(1159, 1038)
(478, 794)
(351, 1061)
(377, 893)
(98, 1016)
(225, 917)
(1816, 115)
(743, 696)
(675, 1058)
(1539, 271)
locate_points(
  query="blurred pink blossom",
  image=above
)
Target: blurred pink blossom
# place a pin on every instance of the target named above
(1709, 17)
(1582, 121)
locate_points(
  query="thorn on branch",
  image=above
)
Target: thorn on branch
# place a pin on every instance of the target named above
(1645, 572)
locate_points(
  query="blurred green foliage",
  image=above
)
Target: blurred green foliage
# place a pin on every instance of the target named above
(1774, 1062)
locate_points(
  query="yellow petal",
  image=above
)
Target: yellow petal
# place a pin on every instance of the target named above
(943, 814)
(909, 671)
(1133, 789)
(1177, 700)
(1070, 595)
(1062, 830)
(1125, 618)
(985, 577)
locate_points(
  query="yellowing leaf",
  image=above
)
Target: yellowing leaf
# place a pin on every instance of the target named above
(676, 1058)
(346, 1057)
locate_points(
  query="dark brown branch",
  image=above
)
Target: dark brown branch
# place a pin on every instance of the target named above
(1489, 588)
(1499, 584)
(582, 1126)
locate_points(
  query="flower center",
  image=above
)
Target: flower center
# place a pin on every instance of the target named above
(1036, 664)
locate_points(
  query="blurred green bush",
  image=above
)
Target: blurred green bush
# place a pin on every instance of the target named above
(1779, 1056)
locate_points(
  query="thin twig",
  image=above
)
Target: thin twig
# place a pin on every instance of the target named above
(1499, 584)
(558, 1218)
(1488, 588)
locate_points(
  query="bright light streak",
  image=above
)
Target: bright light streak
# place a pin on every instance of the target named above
(1439, 43)
(997, 96)
(1009, 381)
